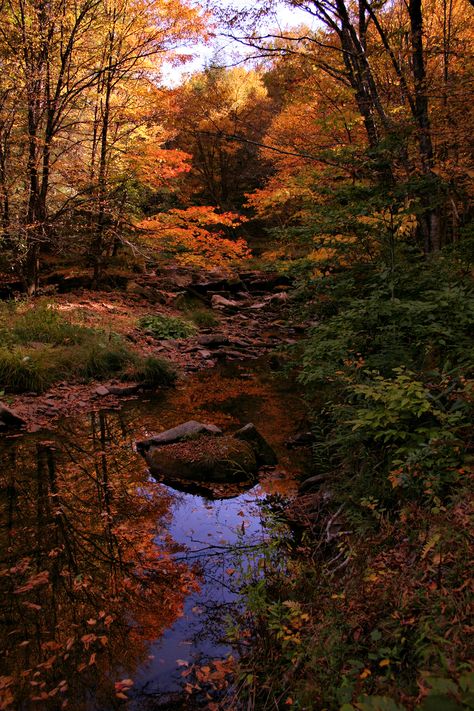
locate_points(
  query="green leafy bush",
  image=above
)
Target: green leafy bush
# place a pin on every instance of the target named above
(166, 326)
(381, 569)
(382, 332)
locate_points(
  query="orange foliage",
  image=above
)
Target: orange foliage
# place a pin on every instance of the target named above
(192, 236)
(155, 166)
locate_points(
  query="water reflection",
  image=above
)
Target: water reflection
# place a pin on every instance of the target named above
(108, 577)
(85, 582)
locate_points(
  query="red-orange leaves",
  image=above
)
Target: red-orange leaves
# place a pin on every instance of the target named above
(195, 236)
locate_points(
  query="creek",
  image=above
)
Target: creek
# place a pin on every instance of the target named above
(108, 575)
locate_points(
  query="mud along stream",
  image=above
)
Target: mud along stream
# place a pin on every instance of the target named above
(108, 577)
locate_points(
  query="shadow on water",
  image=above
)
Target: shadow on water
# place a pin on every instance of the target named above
(107, 576)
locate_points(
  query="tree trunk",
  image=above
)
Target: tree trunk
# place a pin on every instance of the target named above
(430, 223)
(98, 242)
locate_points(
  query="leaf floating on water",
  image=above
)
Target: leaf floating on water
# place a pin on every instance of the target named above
(121, 687)
(33, 582)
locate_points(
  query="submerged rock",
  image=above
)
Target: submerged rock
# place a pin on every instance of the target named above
(204, 459)
(193, 451)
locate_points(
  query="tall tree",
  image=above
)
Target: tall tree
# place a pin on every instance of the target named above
(380, 53)
(220, 116)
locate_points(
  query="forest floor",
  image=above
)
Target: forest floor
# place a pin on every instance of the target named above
(240, 316)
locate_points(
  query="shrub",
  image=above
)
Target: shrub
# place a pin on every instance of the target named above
(203, 318)
(153, 371)
(166, 326)
(433, 329)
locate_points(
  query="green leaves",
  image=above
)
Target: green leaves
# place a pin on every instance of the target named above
(166, 326)
(390, 409)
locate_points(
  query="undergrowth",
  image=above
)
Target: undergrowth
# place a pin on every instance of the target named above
(41, 346)
(166, 326)
(371, 611)
(203, 318)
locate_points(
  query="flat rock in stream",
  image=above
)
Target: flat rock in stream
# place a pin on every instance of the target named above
(186, 431)
(211, 459)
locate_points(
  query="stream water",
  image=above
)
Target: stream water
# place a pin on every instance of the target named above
(107, 576)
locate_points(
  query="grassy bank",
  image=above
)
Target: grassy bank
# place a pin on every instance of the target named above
(41, 346)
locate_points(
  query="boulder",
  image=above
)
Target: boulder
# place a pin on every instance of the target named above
(9, 418)
(187, 430)
(211, 459)
(264, 454)
(220, 302)
(192, 451)
(213, 340)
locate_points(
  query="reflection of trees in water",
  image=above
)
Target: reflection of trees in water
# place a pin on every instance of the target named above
(82, 582)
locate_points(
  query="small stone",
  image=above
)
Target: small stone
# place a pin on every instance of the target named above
(102, 390)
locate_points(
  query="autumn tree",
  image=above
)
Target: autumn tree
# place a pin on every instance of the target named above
(392, 61)
(69, 69)
(220, 116)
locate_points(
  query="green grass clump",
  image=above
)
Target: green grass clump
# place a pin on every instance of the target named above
(22, 370)
(153, 371)
(44, 324)
(203, 318)
(99, 360)
(166, 326)
(40, 347)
